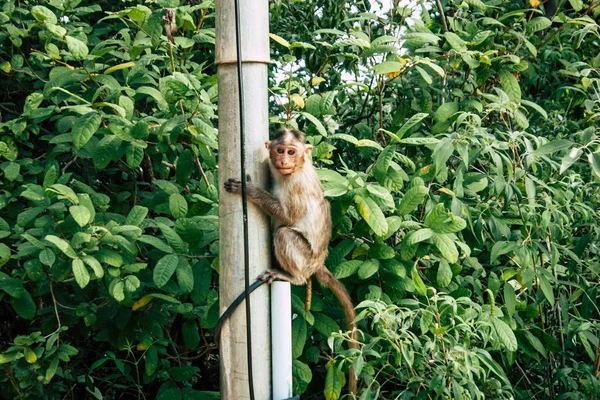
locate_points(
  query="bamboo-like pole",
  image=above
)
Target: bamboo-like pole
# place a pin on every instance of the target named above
(254, 20)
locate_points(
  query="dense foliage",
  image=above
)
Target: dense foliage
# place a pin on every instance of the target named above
(456, 140)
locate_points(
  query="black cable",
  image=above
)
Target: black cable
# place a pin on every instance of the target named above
(232, 307)
(238, 43)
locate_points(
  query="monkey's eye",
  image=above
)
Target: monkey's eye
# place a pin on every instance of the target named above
(280, 151)
(291, 152)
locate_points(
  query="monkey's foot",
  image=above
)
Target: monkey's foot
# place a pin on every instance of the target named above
(271, 275)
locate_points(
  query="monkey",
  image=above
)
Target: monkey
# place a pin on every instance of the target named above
(170, 25)
(302, 220)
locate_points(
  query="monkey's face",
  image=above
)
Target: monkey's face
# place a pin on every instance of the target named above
(287, 158)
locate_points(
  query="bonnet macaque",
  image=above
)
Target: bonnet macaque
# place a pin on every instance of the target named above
(302, 219)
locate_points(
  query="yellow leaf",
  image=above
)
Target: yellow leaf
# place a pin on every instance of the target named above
(534, 3)
(316, 80)
(29, 355)
(142, 346)
(394, 74)
(298, 100)
(118, 67)
(142, 302)
(447, 191)
(359, 251)
(280, 40)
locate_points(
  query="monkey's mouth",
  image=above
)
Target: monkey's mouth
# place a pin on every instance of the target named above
(285, 171)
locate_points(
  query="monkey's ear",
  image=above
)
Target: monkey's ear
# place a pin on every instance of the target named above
(267, 145)
(307, 149)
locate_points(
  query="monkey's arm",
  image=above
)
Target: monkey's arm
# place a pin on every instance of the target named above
(262, 199)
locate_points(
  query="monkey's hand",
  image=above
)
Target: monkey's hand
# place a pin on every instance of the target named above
(235, 185)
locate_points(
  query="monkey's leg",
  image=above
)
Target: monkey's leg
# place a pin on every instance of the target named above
(293, 252)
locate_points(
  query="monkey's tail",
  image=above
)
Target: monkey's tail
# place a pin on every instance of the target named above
(326, 278)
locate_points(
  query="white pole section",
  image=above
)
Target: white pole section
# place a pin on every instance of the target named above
(254, 18)
(281, 336)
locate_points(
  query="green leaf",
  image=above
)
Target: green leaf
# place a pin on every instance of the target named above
(444, 274)
(82, 276)
(334, 380)
(538, 23)
(80, 214)
(299, 332)
(372, 214)
(5, 255)
(412, 199)
(151, 360)
(326, 325)
(347, 268)
(47, 257)
(95, 265)
(418, 282)
(104, 151)
(506, 336)
(576, 4)
(43, 14)
(185, 275)
(326, 102)
(387, 67)
(136, 216)
(552, 147)
(51, 370)
(412, 122)
(62, 245)
(570, 158)
(594, 160)
(117, 290)
(178, 205)
(50, 177)
(11, 171)
(33, 241)
(134, 155)
(320, 128)
(384, 158)
(425, 75)
(445, 111)
(85, 128)
(546, 289)
(165, 267)
(420, 141)
(381, 251)
(368, 269)
(156, 242)
(455, 41)
(510, 299)
(446, 246)
(173, 238)
(418, 236)
(24, 305)
(185, 167)
(442, 152)
(302, 376)
(510, 85)
(502, 247)
(190, 333)
(77, 48)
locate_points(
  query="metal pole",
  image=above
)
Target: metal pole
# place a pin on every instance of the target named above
(255, 58)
